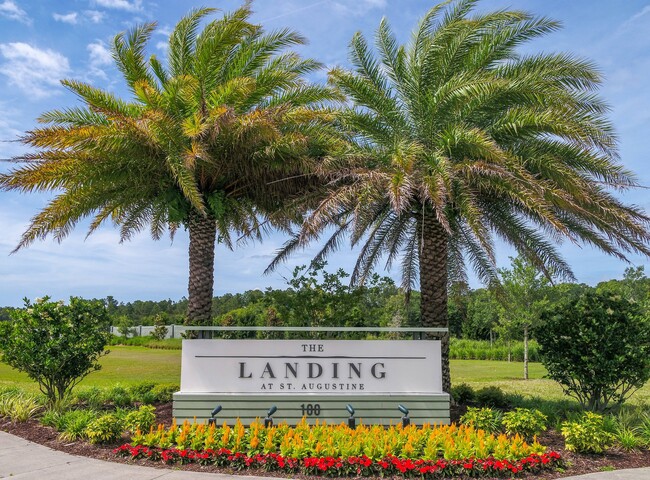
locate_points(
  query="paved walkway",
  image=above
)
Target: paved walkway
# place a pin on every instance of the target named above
(21, 459)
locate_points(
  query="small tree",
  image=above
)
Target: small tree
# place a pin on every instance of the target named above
(597, 346)
(160, 328)
(125, 326)
(522, 300)
(55, 344)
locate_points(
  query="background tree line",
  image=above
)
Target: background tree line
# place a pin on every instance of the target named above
(317, 297)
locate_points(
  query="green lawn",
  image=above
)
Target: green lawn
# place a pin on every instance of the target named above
(131, 365)
(124, 365)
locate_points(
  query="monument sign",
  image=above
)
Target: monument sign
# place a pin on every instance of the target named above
(315, 379)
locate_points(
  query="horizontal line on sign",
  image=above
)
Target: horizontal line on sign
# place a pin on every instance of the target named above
(310, 356)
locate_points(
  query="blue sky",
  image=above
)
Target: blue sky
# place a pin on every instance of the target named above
(43, 41)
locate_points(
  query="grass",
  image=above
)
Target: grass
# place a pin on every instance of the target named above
(124, 365)
(129, 365)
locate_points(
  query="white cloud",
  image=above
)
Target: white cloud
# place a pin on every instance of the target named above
(99, 53)
(628, 23)
(100, 56)
(35, 71)
(9, 9)
(94, 16)
(163, 46)
(134, 6)
(71, 18)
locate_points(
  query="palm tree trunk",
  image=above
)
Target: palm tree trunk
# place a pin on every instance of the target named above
(201, 283)
(433, 284)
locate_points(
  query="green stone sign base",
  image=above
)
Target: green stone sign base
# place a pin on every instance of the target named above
(371, 409)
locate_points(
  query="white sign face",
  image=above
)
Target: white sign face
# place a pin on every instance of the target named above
(311, 366)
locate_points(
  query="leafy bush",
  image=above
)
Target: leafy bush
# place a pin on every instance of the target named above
(644, 429)
(51, 418)
(19, 406)
(492, 397)
(141, 392)
(463, 393)
(54, 344)
(525, 422)
(148, 342)
(597, 346)
(629, 438)
(163, 392)
(73, 424)
(483, 419)
(141, 419)
(105, 429)
(587, 434)
(119, 396)
(90, 397)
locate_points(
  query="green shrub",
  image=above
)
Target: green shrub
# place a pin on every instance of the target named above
(19, 406)
(51, 418)
(525, 422)
(90, 397)
(163, 392)
(119, 396)
(105, 429)
(73, 424)
(56, 345)
(587, 434)
(141, 389)
(483, 418)
(463, 393)
(629, 438)
(142, 419)
(492, 397)
(597, 347)
(148, 342)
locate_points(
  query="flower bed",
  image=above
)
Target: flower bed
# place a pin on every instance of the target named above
(337, 450)
(352, 466)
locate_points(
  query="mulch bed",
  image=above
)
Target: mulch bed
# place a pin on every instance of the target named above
(576, 464)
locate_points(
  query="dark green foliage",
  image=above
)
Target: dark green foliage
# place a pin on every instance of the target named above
(56, 345)
(118, 396)
(492, 397)
(140, 390)
(316, 297)
(90, 397)
(72, 424)
(597, 346)
(463, 394)
(482, 315)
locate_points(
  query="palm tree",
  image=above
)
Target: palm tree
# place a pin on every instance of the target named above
(216, 140)
(458, 139)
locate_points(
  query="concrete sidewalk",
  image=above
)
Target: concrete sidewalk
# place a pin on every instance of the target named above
(21, 459)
